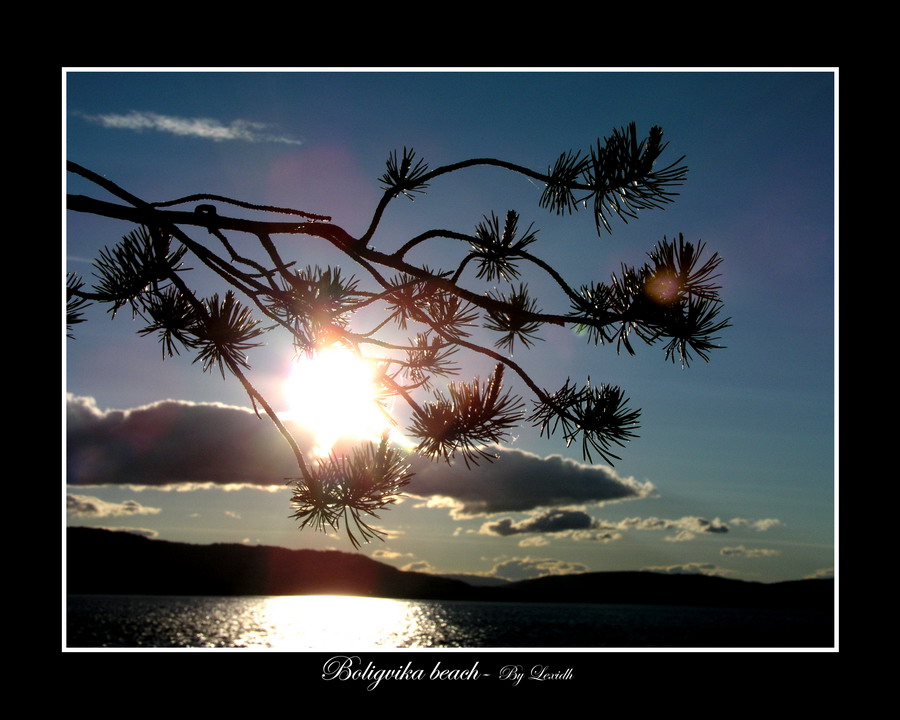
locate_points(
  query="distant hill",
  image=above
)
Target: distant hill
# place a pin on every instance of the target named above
(101, 562)
(477, 580)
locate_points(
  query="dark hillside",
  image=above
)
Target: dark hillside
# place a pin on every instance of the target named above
(102, 562)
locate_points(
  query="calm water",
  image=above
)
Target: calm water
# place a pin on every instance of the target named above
(324, 623)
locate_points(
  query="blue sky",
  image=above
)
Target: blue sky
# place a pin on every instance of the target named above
(733, 472)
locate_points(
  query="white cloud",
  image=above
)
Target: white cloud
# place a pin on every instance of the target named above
(820, 574)
(681, 536)
(87, 506)
(528, 567)
(389, 555)
(688, 526)
(758, 525)
(695, 568)
(390, 534)
(601, 536)
(205, 128)
(533, 541)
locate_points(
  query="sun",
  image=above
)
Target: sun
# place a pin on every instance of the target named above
(333, 394)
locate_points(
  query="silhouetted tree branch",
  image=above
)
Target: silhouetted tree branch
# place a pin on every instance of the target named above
(672, 298)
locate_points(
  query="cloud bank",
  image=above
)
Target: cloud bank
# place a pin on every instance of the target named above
(178, 444)
(578, 525)
(205, 128)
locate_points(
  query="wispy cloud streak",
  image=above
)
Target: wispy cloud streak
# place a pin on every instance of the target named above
(741, 551)
(205, 128)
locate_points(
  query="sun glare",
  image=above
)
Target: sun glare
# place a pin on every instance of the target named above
(333, 394)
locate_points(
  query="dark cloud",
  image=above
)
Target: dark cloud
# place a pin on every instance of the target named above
(173, 442)
(549, 521)
(520, 481)
(176, 443)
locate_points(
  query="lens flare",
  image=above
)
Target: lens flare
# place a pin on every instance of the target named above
(663, 288)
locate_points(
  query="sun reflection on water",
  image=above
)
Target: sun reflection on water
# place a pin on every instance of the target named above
(326, 622)
(286, 623)
(339, 623)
